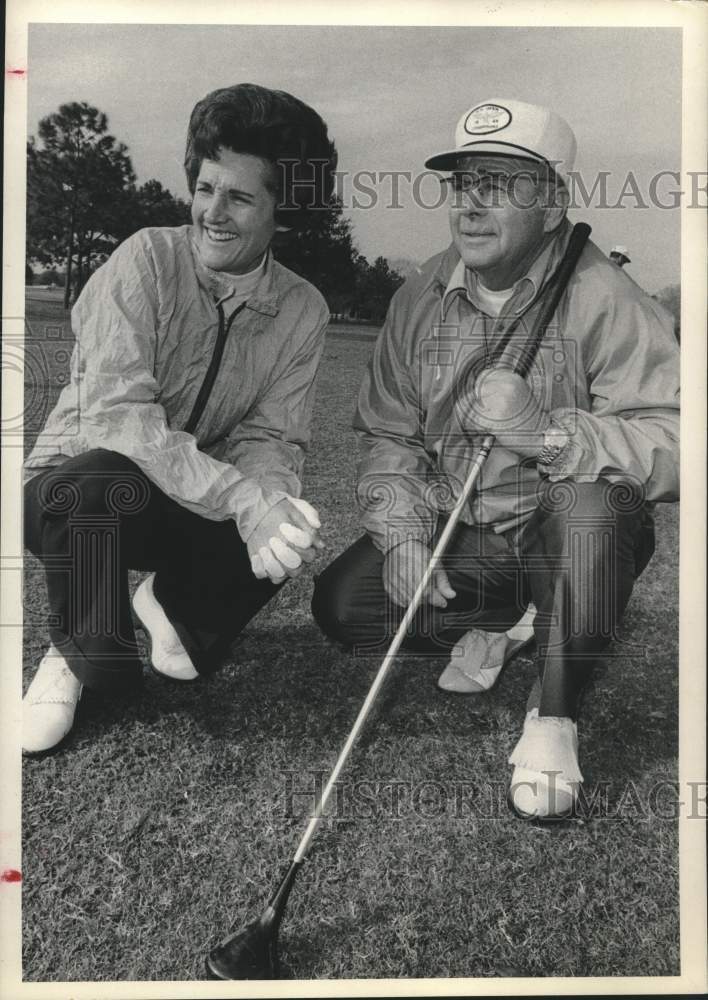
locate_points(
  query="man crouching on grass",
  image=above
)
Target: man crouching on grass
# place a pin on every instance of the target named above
(584, 445)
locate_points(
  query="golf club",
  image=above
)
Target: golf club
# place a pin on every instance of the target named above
(252, 952)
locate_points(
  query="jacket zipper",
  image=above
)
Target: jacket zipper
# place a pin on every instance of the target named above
(213, 369)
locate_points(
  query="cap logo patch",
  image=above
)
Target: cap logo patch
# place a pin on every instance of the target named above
(487, 118)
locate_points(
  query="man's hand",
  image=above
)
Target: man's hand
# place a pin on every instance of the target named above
(286, 539)
(403, 570)
(503, 404)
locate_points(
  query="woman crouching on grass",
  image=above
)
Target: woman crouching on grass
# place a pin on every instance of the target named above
(178, 445)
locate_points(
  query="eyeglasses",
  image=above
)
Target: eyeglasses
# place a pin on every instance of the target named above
(486, 189)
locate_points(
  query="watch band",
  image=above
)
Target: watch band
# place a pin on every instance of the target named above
(555, 442)
(549, 453)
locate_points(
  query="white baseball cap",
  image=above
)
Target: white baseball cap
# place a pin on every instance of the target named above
(623, 251)
(511, 128)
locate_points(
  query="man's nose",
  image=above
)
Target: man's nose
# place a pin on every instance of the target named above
(469, 203)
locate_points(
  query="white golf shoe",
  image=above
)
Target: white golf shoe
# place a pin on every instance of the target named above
(477, 660)
(49, 706)
(479, 657)
(546, 777)
(168, 655)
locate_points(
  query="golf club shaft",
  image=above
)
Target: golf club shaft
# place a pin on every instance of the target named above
(392, 651)
(576, 243)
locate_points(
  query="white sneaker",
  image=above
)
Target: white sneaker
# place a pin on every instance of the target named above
(168, 655)
(479, 657)
(49, 706)
(546, 775)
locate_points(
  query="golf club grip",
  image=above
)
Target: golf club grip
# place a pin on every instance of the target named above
(576, 243)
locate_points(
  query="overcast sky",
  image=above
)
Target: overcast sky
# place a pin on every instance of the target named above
(391, 97)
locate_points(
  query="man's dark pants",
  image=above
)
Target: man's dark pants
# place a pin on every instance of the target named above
(96, 516)
(576, 558)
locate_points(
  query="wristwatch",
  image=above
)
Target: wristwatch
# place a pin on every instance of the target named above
(555, 441)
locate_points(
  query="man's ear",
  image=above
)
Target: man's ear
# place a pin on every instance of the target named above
(557, 199)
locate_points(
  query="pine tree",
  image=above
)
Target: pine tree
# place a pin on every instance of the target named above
(79, 181)
(324, 254)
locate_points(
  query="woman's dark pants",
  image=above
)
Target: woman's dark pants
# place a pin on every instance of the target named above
(577, 559)
(96, 516)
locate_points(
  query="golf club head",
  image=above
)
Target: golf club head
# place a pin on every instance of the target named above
(250, 953)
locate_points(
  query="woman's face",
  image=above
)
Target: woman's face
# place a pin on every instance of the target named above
(233, 211)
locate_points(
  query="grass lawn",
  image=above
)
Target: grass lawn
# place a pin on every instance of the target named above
(167, 820)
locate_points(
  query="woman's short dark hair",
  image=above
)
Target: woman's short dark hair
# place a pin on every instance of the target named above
(279, 129)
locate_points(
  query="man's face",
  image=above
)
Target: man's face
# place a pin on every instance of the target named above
(499, 217)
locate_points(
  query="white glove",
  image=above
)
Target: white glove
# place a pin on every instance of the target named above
(286, 538)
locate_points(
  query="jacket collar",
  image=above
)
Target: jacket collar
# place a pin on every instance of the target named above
(451, 278)
(221, 286)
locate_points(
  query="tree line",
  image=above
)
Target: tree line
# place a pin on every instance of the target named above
(83, 201)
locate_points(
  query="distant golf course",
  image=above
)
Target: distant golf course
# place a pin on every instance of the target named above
(168, 819)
